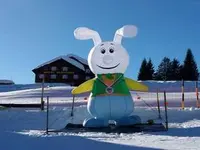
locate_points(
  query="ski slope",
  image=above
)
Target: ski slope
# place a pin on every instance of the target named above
(24, 129)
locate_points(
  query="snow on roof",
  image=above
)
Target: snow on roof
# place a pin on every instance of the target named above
(82, 60)
(69, 59)
(75, 63)
(6, 82)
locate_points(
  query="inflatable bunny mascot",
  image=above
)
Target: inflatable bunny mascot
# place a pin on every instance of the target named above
(110, 98)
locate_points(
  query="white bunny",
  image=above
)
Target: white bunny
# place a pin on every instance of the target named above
(110, 97)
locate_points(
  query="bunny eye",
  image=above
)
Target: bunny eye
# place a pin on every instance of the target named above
(103, 51)
(111, 50)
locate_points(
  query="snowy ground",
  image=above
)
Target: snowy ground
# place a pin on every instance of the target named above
(24, 129)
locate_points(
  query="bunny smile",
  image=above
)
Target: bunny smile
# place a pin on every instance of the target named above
(108, 67)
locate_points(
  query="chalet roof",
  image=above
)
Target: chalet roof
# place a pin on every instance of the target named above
(71, 58)
(82, 60)
(6, 82)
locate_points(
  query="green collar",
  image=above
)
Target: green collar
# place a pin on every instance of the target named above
(109, 75)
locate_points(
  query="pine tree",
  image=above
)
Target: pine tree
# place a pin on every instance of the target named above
(190, 70)
(142, 75)
(175, 70)
(150, 70)
(164, 71)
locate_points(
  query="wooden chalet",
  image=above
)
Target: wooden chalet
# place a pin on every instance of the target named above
(70, 69)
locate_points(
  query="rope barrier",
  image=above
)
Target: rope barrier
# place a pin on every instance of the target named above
(151, 107)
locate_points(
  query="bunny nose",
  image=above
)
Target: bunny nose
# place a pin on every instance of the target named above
(107, 59)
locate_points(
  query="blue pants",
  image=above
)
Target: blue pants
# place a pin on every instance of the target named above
(105, 108)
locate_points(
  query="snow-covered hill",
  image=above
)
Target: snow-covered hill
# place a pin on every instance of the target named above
(18, 87)
(60, 95)
(169, 86)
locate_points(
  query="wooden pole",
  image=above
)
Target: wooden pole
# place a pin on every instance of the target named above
(158, 104)
(42, 97)
(197, 94)
(166, 116)
(72, 111)
(47, 119)
(183, 98)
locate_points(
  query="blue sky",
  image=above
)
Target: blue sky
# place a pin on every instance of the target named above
(35, 31)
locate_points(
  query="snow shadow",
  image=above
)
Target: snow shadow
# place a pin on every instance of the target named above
(25, 142)
(186, 116)
(180, 132)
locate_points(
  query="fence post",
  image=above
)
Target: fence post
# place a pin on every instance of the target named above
(197, 94)
(158, 104)
(166, 116)
(183, 98)
(42, 105)
(47, 119)
(42, 97)
(72, 111)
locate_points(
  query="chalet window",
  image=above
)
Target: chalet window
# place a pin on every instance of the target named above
(76, 76)
(65, 69)
(53, 76)
(87, 70)
(54, 68)
(46, 68)
(41, 76)
(87, 77)
(65, 76)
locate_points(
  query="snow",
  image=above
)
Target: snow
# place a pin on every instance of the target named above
(6, 82)
(75, 63)
(170, 86)
(24, 129)
(68, 59)
(84, 61)
(59, 93)
(17, 87)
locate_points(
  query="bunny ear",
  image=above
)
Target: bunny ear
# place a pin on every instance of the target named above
(83, 33)
(125, 31)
